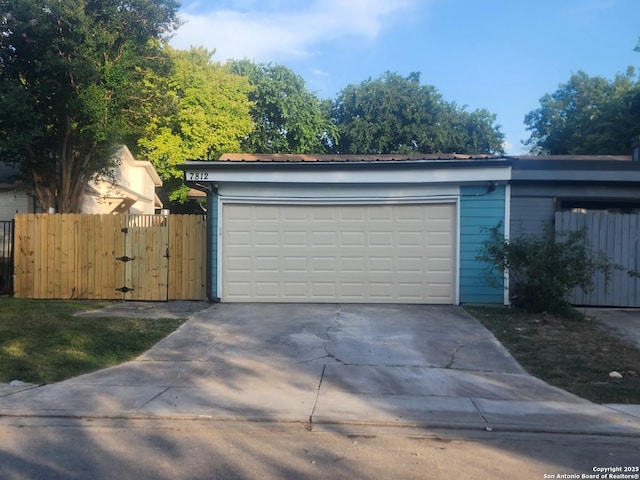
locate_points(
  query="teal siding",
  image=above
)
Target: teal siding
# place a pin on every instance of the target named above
(478, 209)
(212, 211)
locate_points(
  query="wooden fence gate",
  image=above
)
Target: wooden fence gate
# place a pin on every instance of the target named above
(615, 235)
(131, 257)
(145, 257)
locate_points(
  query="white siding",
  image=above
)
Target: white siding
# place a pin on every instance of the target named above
(13, 202)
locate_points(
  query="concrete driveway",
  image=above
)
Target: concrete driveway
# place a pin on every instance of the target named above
(325, 364)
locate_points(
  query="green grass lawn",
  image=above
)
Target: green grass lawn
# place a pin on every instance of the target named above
(42, 342)
(574, 354)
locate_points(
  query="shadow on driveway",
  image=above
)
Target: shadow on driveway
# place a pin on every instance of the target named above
(412, 365)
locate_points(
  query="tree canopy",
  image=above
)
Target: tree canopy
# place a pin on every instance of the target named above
(587, 115)
(206, 113)
(287, 117)
(394, 114)
(72, 82)
(79, 78)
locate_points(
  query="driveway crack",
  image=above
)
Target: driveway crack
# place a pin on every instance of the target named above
(336, 323)
(315, 402)
(453, 355)
(153, 398)
(463, 345)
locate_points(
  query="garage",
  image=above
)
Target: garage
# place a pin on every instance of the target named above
(351, 228)
(402, 253)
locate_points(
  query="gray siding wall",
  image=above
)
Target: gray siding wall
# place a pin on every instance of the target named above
(529, 214)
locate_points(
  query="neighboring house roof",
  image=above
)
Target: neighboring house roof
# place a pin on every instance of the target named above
(121, 198)
(574, 168)
(574, 158)
(193, 193)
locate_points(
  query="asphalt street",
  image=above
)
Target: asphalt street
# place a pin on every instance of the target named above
(62, 449)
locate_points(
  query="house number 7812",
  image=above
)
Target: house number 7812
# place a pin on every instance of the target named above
(195, 176)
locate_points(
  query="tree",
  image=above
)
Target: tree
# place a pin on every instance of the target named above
(210, 115)
(393, 114)
(287, 117)
(587, 115)
(72, 82)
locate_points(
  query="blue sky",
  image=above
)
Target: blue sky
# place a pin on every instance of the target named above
(502, 55)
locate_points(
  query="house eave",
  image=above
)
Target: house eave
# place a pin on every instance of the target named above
(365, 172)
(563, 169)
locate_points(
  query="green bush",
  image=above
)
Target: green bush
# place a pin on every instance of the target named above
(543, 268)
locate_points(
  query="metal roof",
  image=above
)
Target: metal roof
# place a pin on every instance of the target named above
(296, 158)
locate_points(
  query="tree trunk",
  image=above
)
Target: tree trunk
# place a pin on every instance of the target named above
(73, 174)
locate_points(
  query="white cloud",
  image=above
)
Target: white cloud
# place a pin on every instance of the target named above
(279, 30)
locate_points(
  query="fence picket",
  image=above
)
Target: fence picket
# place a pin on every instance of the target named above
(615, 235)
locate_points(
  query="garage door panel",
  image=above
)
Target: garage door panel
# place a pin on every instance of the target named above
(239, 264)
(380, 239)
(413, 291)
(238, 289)
(323, 239)
(352, 239)
(295, 290)
(439, 264)
(268, 214)
(350, 214)
(380, 265)
(267, 239)
(414, 213)
(324, 290)
(323, 264)
(267, 290)
(294, 264)
(436, 238)
(240, 238)
(350, 253)
(267, 264)
(294, 215)
(440, 211)
(410, 239)
(410, 265)
(322, 215)
(353, 290)
(295, 239)
(351, 264)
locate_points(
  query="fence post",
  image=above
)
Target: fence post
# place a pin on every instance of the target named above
(6, 256)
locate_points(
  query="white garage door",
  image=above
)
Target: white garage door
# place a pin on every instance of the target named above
(348, 253)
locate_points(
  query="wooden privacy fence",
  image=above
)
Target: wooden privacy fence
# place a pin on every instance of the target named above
(615, 235)
(131, 257)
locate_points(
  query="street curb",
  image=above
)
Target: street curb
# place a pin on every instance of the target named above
(310, 424)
